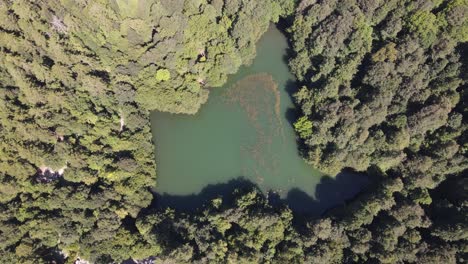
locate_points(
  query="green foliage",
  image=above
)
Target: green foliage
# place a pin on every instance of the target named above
(369, 95)
(425, 24)
(303, 126)
(77, 80)
(163, 75)
(382, 90)
(369, 72)
(387, 53)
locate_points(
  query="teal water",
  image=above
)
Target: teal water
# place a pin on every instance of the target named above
(242, 131)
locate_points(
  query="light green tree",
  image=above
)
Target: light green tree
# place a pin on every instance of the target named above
(163, 75)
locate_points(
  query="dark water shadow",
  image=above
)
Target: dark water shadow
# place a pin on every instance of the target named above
(292, 113)
(292, 85)
(193, 202)
(283, 25)
(329, 193)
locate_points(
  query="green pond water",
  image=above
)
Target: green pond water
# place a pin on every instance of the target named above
(242, 131)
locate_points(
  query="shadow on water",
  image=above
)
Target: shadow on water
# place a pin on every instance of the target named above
(329, 193)
(292, 86)
(192, 202)
(283, 25)
(292, 113)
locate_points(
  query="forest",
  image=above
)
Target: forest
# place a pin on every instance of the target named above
(382, 90)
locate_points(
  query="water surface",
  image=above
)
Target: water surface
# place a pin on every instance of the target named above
(242, 131)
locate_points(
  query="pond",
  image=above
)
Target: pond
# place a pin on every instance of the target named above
(242, 134)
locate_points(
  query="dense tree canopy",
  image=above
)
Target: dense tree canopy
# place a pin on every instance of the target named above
(77, 81)
(379, 77)
(382, 91)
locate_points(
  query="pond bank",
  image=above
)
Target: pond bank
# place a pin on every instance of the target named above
(241, 134)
